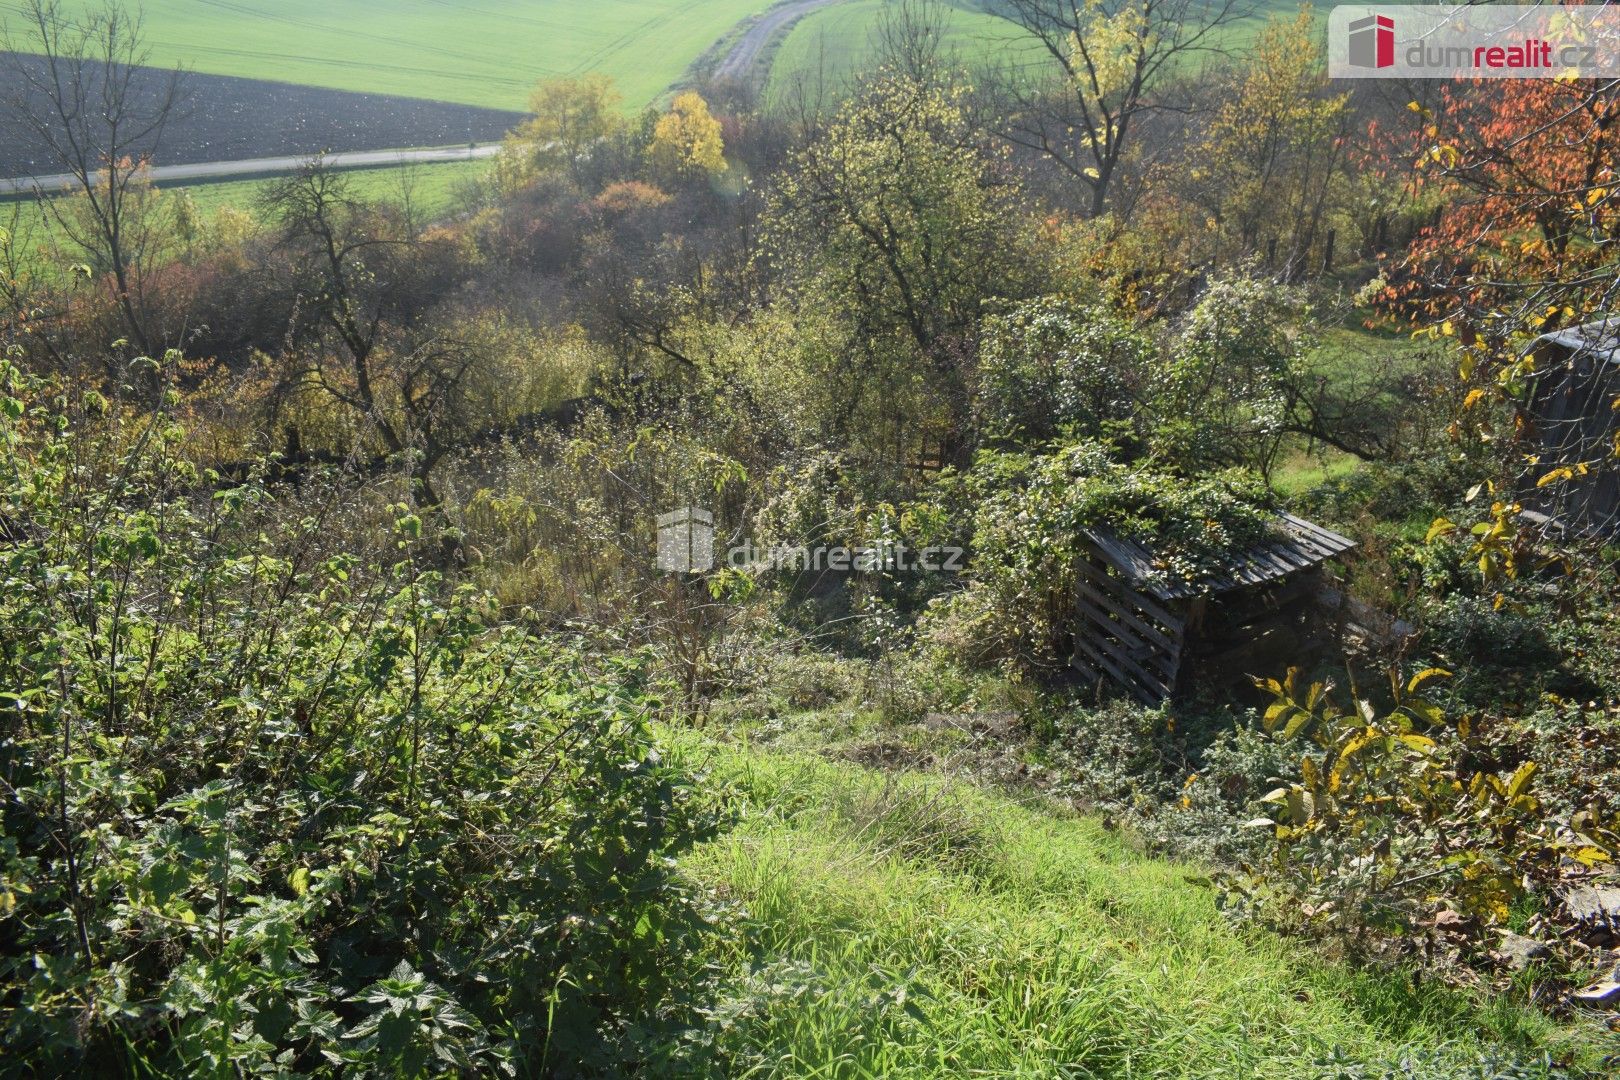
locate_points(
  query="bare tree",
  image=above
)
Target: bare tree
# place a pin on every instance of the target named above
(356, 276)
(1115, 56)
(88, 94)
(910, 37)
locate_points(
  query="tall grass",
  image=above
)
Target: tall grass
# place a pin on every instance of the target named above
(918, 927)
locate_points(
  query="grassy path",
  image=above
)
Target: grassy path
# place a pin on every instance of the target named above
(911, 926)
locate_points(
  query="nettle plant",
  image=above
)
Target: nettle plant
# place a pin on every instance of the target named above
(1390, 823)
(275, 807)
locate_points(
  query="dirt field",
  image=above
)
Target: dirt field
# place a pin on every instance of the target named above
(230, 118)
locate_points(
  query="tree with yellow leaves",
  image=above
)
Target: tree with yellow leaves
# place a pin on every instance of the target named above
(1266, 168)
(571, 115)
(1118, 59)
(686, 140)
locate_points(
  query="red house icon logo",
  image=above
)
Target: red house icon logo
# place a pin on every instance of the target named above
(1372, 42)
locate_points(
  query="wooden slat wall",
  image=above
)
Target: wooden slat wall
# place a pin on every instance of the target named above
(1125, 637)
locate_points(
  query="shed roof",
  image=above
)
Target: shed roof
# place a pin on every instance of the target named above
(1599, 338)
(1298, 546)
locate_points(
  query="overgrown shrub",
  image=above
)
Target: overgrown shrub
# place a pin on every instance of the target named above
(1031, 513)
(1408, 820)
(1048, 366)
(269, 810)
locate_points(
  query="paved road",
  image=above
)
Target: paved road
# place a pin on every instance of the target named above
(209, 170)
(739, 63)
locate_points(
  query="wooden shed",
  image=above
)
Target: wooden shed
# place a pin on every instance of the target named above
(1153, 636)
(1571, 420)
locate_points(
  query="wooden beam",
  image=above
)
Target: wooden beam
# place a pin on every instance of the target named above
(1130, 649)
(1114, 646)
(1144, 686)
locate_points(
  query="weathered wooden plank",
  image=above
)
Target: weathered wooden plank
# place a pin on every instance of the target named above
(1126, 556)
(1143, 692)
(1135, 667)
(1130, 596)
(1131, 649)
(1099, 622)
(1085, 669)
(1330, 542)
(1301, 544)
(1159, 672)
(1103, 599)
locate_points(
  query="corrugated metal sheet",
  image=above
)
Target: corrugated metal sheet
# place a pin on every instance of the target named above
(1300, 545)
(1599, 338)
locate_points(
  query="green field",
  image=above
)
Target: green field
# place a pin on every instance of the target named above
(832, 44)
(432, 189)
(483, 52)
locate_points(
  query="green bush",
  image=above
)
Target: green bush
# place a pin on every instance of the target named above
(1049, 366)
(270, 810)
(1405, 818)
(1030, 515)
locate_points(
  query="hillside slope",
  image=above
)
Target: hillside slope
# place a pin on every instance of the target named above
(905, 925)
(476, 52)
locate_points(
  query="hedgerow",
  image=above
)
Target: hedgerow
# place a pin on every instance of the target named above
(270, 808)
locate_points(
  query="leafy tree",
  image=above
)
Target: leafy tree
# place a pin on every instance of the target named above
(686, 140)
(1220, 395)
(571, 115)
(1265, 171)
(897, 219)
(1531, 208)
(1050, 366)
(1523, 242)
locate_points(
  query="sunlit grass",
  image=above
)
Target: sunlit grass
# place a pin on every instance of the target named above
(476, 52)
(826, 48)
(910, 926)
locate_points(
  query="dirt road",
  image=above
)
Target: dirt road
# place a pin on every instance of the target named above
(739, 64)
(209, 170)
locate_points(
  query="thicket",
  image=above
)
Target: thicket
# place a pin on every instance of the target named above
(328, 648)
(277, 804)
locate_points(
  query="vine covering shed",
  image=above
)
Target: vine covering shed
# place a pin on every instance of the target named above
(1147, 632)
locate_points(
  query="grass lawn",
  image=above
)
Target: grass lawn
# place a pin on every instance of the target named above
(432, 187)
(1348, 357)
(907, 925)
(477, 52)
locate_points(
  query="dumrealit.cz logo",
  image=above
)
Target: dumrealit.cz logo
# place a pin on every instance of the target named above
(1492, 41)
(1372, 42)
(686, 541)
(686, 546)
